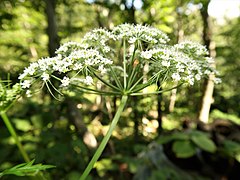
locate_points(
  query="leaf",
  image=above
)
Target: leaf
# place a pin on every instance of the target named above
(180, 136)
(197, 133)
(104, 165)
(22, 124)
(183, 149)
(165, 139)
(176, 136)
(204, 142)
(231, 147)
(26, 169)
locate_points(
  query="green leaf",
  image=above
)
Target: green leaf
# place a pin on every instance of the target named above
(104, 165)
(197, 133)
(183, 149)
(26, 169)
(165, 139)
(204, 142)
(22, 124)
(176, 136)
(231, 147)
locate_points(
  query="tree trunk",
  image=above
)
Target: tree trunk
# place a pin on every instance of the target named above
(131, 13)
(74, 114)
(53, 42)
(207, 97)
(98, 10)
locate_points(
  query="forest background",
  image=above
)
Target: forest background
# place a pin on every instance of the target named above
(65, 133)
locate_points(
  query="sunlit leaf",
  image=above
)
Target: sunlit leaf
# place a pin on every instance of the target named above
(183, 149)
(204, 143)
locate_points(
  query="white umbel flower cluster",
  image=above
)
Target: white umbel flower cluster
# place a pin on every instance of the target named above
(140, 33)
(110, 55)
(78, 60)
(186, 62)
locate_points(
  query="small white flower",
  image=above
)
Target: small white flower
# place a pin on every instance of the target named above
(42, 63)
(146, 54)
(190, 79)
(23, 75)
(65, 81)
(65, 47)
(88, 80)
(132, 40)
(102, 69)
(106, 49)
(166, 63)
(217, 80)
(176, 77)
(197, 77)
(26, 84)
(180, 67)
(105, 61)
(210, 60)
(78, 66)
(131, 49)
(45, 76)
(31, 69)
(89, 62)
(29, 93)
(207, 72)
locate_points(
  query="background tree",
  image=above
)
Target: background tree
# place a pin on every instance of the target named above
(207, 98)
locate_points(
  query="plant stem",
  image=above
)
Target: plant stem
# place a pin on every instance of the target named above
(39, 175)
(124, 65)
(106, 138)
(15, 136)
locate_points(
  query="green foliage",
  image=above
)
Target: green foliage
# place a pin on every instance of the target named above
(185, 144)
(22, 39)
(151, 15)
(25, 169)
(154, 164)
(231, 149)
(204, 143)
(228, 56)
(183, 149)
(175, 136)
(165, 173)
(216, 114)
(8, 95)
(105, 165)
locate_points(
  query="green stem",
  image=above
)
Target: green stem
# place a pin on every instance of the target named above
(94, 91)
(15, 136)
(105, 139)
(105, 82)
(132, 77)
(39, 175)
(115, 77)
(124, 65)
(155, 92)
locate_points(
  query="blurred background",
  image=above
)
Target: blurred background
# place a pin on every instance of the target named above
(188, 133)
